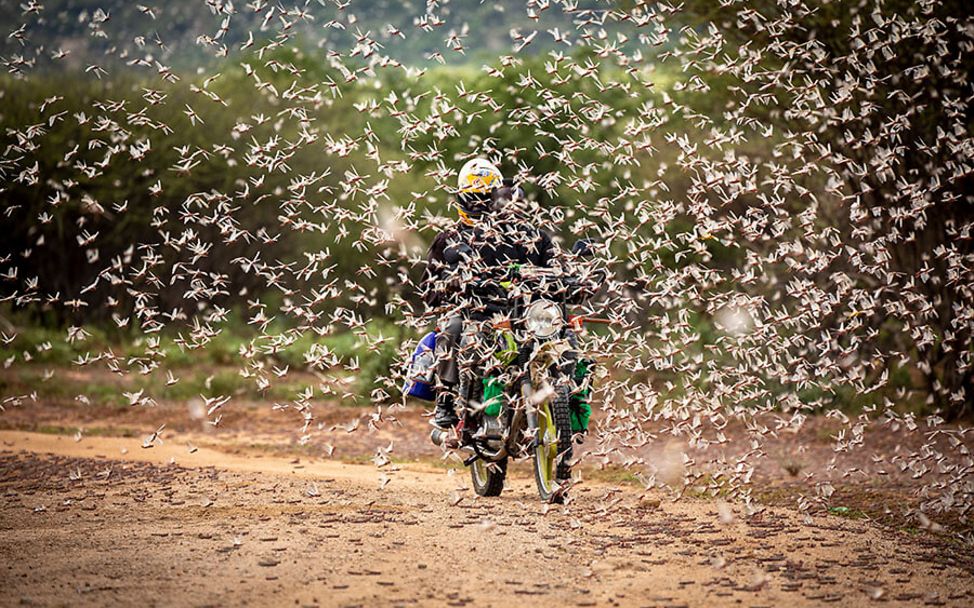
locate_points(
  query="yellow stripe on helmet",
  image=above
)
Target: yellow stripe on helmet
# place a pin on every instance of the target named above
(480, 183)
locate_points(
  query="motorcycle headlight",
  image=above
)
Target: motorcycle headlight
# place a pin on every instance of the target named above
(543, 318)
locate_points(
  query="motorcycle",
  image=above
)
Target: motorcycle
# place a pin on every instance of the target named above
(515, 398)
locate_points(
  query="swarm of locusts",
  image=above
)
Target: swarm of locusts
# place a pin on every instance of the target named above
(780, 193)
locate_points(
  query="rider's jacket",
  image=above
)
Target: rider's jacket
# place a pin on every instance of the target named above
(494, 244)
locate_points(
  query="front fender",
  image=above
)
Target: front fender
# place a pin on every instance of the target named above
(538, 386)
(545, 355)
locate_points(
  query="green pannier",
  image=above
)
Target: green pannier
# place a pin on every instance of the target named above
(579, 407)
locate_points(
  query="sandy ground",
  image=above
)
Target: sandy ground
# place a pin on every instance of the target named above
(104, 522)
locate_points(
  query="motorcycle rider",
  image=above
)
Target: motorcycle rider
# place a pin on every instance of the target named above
(490, 234)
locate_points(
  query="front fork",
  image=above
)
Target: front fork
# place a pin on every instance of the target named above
(541, 361)
(530, 409)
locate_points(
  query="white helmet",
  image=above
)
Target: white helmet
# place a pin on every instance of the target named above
(478, 176)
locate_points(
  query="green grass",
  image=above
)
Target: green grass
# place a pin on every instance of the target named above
(38, 344)
(99, 393)
(94, 431)
(213, 383)
(209, 370)
(612, 474)
(848, 512)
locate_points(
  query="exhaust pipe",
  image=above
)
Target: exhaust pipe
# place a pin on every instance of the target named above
(448, 440)
(437, 436)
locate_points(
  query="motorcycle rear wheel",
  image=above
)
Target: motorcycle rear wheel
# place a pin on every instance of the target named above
(488, 477)
(553, 449)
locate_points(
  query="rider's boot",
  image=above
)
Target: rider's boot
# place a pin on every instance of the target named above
(445, 415)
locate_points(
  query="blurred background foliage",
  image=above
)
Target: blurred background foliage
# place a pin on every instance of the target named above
(326, 142)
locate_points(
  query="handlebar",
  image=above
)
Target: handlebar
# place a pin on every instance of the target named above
(493, 288)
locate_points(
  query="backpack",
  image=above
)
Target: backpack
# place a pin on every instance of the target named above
(419, 372)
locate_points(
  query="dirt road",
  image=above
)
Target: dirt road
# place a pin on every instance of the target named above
(105, 522)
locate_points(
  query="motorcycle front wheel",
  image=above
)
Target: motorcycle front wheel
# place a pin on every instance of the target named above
(553, 449)
(488, 477)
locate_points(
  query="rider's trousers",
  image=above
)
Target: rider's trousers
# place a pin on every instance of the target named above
(446, 350)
